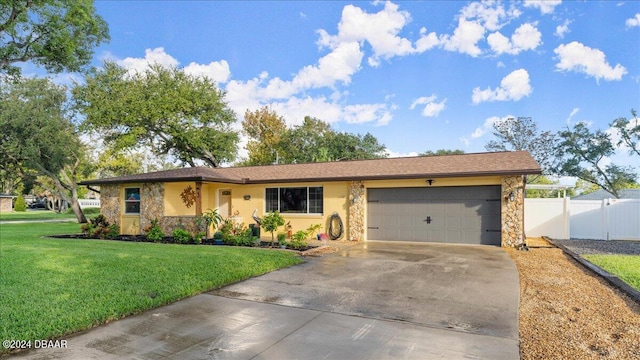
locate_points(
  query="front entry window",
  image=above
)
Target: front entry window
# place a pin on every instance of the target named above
(132, 201)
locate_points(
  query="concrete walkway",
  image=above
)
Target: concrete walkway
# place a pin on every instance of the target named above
(371, 301)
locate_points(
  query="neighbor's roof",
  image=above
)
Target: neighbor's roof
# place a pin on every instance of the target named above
(480, 164)
(603, 194)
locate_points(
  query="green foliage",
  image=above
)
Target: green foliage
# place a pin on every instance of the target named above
(20, 204)
(582, 154)
(218, 235)
(167, 110)
(282, 239)
(197, 238)
(313, 229)
(242, 237)
(312, 141)
(626, 267)
(522, 134)
(629, 132)
(112, 279)
(37, 133)
(209, 218)
(442, 152)
(100, 228)
(271, 222)
(154, 231)
(59, 35)
(181, 236)
(299, 240)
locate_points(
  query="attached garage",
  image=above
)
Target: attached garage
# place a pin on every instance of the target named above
(464, 215)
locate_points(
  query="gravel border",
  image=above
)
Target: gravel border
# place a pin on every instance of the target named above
(577, 248)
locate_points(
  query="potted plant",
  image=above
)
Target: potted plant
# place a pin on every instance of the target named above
(218, 237)
(282, 240)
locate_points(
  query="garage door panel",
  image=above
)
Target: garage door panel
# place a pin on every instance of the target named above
(457, 214)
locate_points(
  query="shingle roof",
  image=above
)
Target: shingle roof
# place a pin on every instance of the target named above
(479, 164)
(603, 194)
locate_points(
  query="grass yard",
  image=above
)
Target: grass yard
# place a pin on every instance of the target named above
(626, 267)
(53, 287)
(43, 215)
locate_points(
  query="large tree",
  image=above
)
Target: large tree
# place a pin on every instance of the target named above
(165, 109)
(522, 134)
(629, 132)
(57, 34)
(36, 132)
(264, 128)
(312, 141)
(586, 155)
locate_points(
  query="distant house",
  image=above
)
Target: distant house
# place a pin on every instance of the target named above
(469, 198)
(603, 194)
(6, 203)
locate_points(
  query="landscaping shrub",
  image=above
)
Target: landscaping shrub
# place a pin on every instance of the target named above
(299, 240)
(20, 204)
(197, 238)
(154, 231)
(181, 236)
(100, 228)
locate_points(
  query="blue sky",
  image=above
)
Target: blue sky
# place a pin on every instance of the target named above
(419, 75)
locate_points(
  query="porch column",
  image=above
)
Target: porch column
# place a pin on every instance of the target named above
(512, 214)
(198, 198)
(356, 210)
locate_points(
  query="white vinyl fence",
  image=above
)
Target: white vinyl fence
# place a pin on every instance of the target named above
(609, 219)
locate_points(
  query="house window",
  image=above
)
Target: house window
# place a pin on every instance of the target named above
(132, 201)
(292, 200)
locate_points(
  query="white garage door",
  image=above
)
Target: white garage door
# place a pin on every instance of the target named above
(466, 215)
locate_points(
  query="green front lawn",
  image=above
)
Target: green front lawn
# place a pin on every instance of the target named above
(33, 215)
(626, 267)
(53, 287)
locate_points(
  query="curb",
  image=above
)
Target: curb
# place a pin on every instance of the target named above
(610, 278)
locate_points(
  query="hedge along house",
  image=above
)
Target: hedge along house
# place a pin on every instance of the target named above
(470, 198)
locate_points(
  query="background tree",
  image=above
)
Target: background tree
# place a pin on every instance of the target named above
(57, 34)
(312, 141)
(522, 134)
(442, 152)
(167, 110)
(264, 129)
(36, 133)
(117, 163)
(585, 155)
(629, 131)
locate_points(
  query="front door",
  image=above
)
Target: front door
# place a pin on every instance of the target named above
(224, 202)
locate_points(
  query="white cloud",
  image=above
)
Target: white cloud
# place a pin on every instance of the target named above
(381, 30)
(151, 56)
(393, 154)
(562, 30)
(217, 71)
(490, 14)
(634, 21)
(526, 37)
(580, 58)
(431, 108)
(514, 87)
(465, 38)
(545, 6)
(572, 114)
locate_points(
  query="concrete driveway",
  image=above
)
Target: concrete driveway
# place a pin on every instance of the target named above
(370, 301)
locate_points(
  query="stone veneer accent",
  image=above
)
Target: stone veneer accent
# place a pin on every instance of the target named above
(170, 223)
(512, 211)
(110, 203)
(356, 210)
(151, 205)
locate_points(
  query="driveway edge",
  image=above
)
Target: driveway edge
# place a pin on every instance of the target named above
(609, 277)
